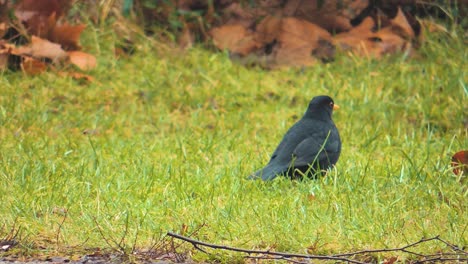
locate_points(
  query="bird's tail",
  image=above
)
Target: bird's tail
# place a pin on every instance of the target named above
(267, 174)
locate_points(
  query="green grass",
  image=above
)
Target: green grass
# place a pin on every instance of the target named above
(170, 139)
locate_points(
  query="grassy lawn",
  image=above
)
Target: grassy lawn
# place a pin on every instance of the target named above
(163, 141)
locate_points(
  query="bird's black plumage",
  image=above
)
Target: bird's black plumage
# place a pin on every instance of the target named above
(310, 146)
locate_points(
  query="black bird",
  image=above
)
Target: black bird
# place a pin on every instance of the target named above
(310, 146)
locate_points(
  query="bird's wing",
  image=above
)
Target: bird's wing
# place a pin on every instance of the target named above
(290, 140)
(314, 149)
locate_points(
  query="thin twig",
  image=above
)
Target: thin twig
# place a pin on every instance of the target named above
(116, 245)
(197, 243)
(57, 238)
(389, 249)
(459, 254)
(455, 248)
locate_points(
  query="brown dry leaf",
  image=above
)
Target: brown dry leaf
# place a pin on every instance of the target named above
(389, 42)
(237, 14)
(354, 38)
(390, 260)
(25, 9)
(82, 60)
(67, 35)
(186, 38)
(401, 26)
(364, 42)
(268, 29)
(332, 15)
(38, 25)
(41, 48)
(296, 40)
(460, 163)
(39, 16)
(32, 66)
(311, 197)
(235, 38)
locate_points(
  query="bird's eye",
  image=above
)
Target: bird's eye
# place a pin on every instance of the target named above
(331, 104)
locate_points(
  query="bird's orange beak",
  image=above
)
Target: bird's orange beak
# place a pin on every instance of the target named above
(335, 107)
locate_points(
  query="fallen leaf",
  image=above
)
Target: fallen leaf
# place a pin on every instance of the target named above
(82, 60)
(24, 9)
(238, 14)
(332, 15)
(388, 42)
(186, 38)
(325, 50)
(80, 76)
(235, 38)
(460, 163)
(41, 48)
(32, 66)
(401, 26)
(296, 41)
(37, 24)
(67, 35)
(268, 29)
(363, 41)
(390, 260)
(354, 38)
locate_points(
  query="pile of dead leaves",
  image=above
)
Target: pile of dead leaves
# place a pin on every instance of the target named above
(277, 33)
(300, 33)
(37, 38)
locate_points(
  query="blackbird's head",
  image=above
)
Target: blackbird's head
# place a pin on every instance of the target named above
(321, 107)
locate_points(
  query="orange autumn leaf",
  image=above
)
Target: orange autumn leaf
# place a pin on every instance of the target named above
(235, 38)
(38, 17)
(363, 41)
(41, 48)
(67, 35)
(297, 39)
(32, 66)
(354, 37)
(332, 15)
(390, 42)
(460, 162)
(82, 60)
(267, 29)
(390, 260)
(401, 26)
